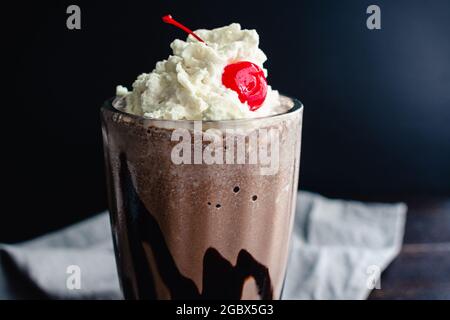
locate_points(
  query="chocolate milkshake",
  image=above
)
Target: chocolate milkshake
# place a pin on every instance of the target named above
(186, 227)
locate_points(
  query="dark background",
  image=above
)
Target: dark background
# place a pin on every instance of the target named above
(377, 103)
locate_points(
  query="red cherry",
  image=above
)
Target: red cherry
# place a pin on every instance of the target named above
(248, 80)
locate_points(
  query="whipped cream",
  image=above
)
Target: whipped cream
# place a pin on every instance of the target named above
(188, 85)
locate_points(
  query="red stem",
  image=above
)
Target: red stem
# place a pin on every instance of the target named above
(168, 19)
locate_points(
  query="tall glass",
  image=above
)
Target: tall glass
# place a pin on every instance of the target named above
(202, 209)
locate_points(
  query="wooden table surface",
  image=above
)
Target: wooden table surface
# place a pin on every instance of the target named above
(422, 269)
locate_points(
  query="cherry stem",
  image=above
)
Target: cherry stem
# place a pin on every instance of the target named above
(168, 19)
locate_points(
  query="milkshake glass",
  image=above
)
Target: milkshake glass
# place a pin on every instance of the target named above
(201, 230)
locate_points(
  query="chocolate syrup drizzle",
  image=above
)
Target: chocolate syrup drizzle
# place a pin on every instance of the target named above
(221, 280)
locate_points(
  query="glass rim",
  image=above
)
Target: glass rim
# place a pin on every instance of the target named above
(297, 107)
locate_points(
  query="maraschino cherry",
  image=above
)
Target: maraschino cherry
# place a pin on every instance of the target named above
(248, 80)
(243, 77)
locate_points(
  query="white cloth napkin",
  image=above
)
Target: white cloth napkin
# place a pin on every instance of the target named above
(338, 250)
(340, 247)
